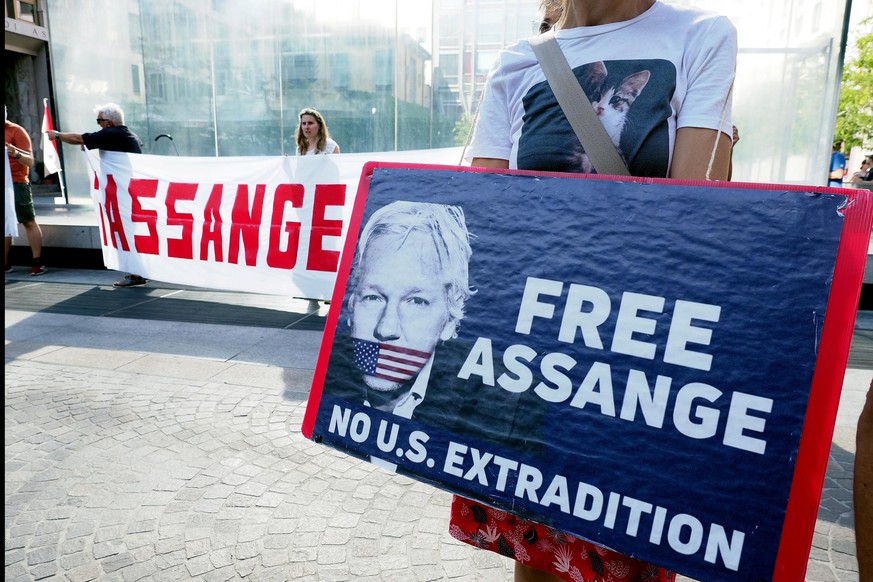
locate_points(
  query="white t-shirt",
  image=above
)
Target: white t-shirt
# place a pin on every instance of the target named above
(668, 68)
(329, 147)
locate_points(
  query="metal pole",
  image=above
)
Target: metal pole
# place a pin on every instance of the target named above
(396, 69)
(169, 137)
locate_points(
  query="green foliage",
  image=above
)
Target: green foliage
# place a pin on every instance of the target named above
(462, 129)
(855, 113)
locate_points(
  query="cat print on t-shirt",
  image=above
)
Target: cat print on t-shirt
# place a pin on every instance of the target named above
(631, 99)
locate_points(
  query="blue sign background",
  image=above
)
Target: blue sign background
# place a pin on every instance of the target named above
(765, 257)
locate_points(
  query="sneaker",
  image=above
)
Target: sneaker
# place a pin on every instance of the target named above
(131, 281)
(37, 270)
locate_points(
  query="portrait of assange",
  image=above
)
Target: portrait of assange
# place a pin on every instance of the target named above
(407, 292)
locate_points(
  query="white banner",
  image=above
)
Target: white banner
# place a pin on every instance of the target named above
(272, 225)
(10, 227)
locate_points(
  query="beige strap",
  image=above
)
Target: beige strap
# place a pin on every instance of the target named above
(577, 107)
(718, 133)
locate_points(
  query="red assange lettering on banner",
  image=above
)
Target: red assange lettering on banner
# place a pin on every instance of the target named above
(243, 232)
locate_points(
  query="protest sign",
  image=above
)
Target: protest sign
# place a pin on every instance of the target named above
(272, 225)
(651, 365)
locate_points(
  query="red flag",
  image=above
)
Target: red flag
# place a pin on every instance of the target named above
(50, 159)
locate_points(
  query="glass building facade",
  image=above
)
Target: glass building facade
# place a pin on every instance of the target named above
(221, 78)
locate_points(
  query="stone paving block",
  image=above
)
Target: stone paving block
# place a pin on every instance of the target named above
(244, 567)
(328, 555)
(237, 500)
(70, 561)
(251, 533)
(42, 555)
(272, 558)
(139, 571)
(14, 556)
(172, 574)
(200, 533)
(221, 558)
(220, 574)
(43, 571)
(247, 550)
(198, 566)
(134, 541)
(80, 529)
(218, 491)
(16, 572)
(251, 489)
(26, 529)
(84, 573)
(169, 560)
(819, 572)
(117, 561)
(73, 546)
(16, 543)
(113, 532)
(427, 572)
(334, 537)
(167, 545)
(62, 512)
(844, 561)
(144, 553)
(106, 549)
(197, 548)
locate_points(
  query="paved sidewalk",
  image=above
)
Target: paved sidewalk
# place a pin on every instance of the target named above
(147, 449)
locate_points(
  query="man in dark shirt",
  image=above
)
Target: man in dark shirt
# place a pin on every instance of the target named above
(113, 136)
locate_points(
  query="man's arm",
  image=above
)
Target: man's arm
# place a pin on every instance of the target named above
(23, 157)
(66, 137)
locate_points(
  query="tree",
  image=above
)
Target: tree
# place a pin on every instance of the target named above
(855, 113)
(462, 129)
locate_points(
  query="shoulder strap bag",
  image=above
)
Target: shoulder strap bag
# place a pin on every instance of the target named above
(577, 107)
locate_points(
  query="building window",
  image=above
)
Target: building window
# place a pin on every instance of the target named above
(134, 78)
(341, 70)
(23, 10)
(383, 71)
(300, 70)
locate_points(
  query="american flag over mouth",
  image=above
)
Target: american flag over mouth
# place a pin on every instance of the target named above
(389, 362)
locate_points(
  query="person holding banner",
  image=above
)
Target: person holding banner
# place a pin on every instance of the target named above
(19, 152)
(660, 79)
(550, 11)
(113, 136)
(312, 135)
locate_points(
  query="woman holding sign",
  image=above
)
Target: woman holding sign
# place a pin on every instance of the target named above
(659, 78)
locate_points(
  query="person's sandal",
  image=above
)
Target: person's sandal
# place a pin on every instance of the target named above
(131, 281)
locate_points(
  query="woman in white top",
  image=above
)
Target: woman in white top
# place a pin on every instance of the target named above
(312, 135)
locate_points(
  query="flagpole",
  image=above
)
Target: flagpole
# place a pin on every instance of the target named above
(61, 184)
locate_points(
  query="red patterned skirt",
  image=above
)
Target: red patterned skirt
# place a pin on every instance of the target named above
(544, 548)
